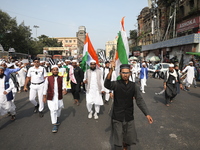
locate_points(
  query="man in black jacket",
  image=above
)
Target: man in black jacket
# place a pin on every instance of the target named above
(76, 76)
(125, 91)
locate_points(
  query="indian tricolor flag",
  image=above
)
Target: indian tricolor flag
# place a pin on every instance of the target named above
(122, 53)
(88, 54)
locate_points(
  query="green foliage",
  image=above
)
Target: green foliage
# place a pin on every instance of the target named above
(19, 37)
(133, 34)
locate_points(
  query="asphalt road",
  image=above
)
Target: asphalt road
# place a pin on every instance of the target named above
(174, 128)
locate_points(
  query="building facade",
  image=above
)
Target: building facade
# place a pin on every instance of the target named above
(111, 47)
(81, 34)
(174, 30)
(72, 47)
(72, 43)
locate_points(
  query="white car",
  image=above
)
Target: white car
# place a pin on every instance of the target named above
(163, 67)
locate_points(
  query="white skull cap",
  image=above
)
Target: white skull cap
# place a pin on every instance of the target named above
(92, 61)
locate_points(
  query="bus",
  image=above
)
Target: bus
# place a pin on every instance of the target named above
(16, 56)
(57, 57)
(44, 57)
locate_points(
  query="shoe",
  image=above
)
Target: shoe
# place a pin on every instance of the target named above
(41, 114)
(186, 90)
(167, 105)
(13, 118)
(57, 123)
(36, 108)
(55, 129)
(96, 116)
(143, 91)
(90, 115)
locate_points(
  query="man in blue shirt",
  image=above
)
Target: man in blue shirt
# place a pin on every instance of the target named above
(8, 71)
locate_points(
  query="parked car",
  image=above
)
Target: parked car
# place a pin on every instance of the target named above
(163, 67)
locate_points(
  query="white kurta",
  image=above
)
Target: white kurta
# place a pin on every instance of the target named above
(93, 96)
(190, 74)
(54, 104)
(134, 71)
(113, 78)
(6, 106)
(21, 76)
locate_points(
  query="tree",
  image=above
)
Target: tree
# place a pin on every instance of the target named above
(12, 35)
(19, 37)
(49, 42)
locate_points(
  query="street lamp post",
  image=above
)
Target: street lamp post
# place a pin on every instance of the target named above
(35, 26)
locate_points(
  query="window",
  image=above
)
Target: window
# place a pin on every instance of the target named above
(70, 41)
(74, 41)
(191, 4)
(66, 41)
(182, 11)
(165, 66)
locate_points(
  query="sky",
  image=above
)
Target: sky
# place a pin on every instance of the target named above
(61, 18)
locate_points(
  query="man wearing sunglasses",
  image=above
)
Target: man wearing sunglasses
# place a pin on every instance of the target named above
(125, 91)
(36, 75)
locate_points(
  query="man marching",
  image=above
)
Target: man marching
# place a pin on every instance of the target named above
(54, 88)
(94, 88)
(107, 93)
(6, 96)
(190, 75)
(76, 76)
(36, 75)
(125, 92)
(171, 79)
(143, 77)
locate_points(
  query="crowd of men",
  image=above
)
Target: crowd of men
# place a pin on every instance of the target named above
(100, 83)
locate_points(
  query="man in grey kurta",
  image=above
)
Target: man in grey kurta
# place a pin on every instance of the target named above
(125, 91)
(171, 79)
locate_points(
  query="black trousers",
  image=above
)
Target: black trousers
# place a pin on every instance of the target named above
(170, 92)
(124, 132)
(75, 89)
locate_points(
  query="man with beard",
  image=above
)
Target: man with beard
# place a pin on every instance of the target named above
(171, 79)
(6, 96)
(76, 76)
(94, 88)
(125, 91)
(54, 87)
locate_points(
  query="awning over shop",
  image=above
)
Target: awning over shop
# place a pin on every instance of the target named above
(193, 53)
(184, 40)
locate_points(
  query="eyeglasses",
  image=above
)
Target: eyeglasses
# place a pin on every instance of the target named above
(125, 72)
